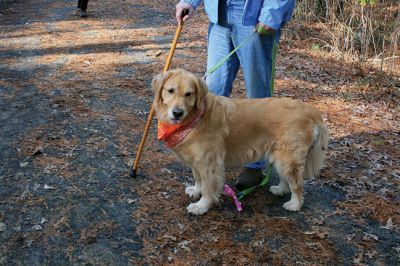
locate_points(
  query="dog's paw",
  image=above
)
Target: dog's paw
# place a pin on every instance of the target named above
(292, 205)
(199, 207)
(196, 208)
(193, 191)
(278, 190)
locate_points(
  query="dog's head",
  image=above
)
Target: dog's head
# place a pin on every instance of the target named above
(178, 95)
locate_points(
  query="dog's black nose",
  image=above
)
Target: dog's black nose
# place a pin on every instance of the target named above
(177, 112)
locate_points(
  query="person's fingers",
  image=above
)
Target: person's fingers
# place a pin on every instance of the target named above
(183, 11)
(187, 13)
(179, 13)
(266, 27)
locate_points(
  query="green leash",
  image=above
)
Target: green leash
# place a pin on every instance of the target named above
(259, 30)
(263, 183)
(211, 70)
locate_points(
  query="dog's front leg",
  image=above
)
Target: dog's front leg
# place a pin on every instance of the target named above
(212, 174)
(194, 191)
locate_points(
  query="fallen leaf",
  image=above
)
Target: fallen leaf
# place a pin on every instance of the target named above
(350, 237)
(389, 224)
(371, 254)
(169, 237)
(37, 227)
(397, 250)
(23, 164)
(358, 260)
(185, 245)
(166, 171)
(29, 242)
(130, 201)
(58, 223)
(37, 151)
(318, 232)
(374, 237)
(17, 229)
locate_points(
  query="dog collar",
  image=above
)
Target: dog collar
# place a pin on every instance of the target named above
(174, 134)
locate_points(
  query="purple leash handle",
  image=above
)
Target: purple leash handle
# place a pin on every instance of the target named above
(229, 192)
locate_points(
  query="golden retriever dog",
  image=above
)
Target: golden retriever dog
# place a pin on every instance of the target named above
(231, 132)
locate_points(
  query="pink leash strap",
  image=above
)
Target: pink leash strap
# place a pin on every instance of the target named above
(229, 192)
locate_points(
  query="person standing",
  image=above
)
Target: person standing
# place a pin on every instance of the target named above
(231, 22)
(82, 5)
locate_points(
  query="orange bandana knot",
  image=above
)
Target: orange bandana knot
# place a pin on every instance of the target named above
(173, 134)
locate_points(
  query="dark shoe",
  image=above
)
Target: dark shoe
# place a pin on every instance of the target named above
(83, 14)
(249, 177)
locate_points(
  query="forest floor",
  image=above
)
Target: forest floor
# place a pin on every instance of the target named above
(74, 98)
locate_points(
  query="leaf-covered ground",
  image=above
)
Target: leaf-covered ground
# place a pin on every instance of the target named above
(74, 98)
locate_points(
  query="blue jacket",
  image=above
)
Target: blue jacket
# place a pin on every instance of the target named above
(273, 13)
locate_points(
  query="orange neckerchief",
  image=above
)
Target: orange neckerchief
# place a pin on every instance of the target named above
(173, 134)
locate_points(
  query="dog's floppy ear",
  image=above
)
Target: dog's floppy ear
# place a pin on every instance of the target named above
(157, 83)
(201, 91)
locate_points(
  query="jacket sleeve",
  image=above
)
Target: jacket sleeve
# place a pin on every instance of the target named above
(194, 3)
(275, 13)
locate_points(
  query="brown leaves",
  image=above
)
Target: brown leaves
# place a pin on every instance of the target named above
(374, 207)
(320, 232)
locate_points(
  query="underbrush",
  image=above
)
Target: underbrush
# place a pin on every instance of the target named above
(364, 31)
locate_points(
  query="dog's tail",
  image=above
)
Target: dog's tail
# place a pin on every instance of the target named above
(317, 151)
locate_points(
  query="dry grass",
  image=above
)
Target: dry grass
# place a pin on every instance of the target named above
(364, 32)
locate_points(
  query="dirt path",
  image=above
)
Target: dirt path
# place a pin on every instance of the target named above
(74, 97)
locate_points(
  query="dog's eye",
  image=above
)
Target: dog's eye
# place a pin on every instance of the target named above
(188, 94)
(171, 90)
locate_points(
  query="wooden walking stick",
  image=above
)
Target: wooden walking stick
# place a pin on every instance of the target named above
(134, 167)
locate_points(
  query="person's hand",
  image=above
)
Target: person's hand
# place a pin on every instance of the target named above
(183, 11)
(265, 28)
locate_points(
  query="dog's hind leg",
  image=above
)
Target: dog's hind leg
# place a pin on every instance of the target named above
(295, 176)
(212, 174)
(296, 200)
(194, 191)
(290, 173)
